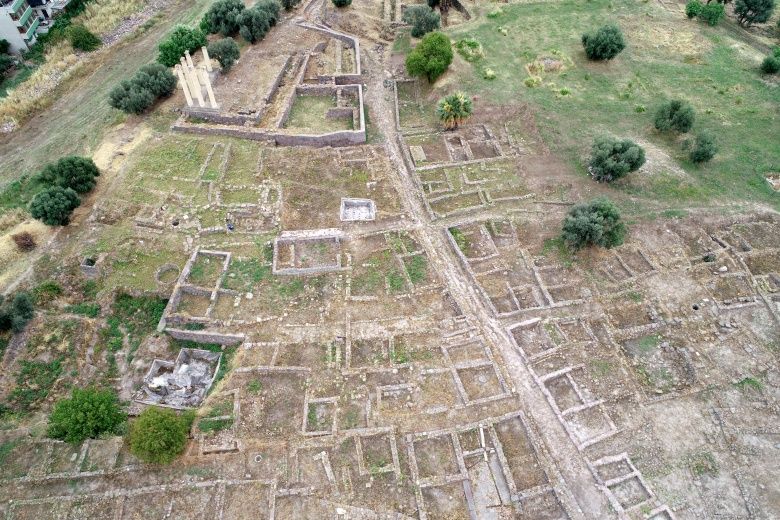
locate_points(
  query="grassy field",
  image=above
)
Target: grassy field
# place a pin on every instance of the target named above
(667, 57)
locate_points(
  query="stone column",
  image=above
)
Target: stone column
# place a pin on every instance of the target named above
(184, 86)
(206, 58)
(207, 81)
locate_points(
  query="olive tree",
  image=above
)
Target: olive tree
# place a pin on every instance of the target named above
(74, 172)
(753, 11)
(596, 223)
(612, 159)
(54, 205)
(675, 115)
(431, 57)
(87, 414)
(422, 18)
(604, 43)
(225, 51)
(159, 435)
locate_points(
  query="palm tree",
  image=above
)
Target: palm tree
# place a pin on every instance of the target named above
(454, 109)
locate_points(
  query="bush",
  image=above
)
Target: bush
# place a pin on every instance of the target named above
(6, 64)
(454, 110)
(612, 159)
(603, 44)
(712, 13)
(222, 17)
(770, 65)
(159, 435)
(225, 51)
(82, 39)
(753, 11)
(24, 241)
(88, 414)
(254, 24)
(54, 205)
(704, 149)
(77, 173)
(181, 39)
(596, 223)
(15, 315)
(342, 3)
(422, 18)
(675, 115)
(272, 9)
(129, 97)
(693, 8)
(431, 57)
(149, 83)
(289, 5)
(5, 46)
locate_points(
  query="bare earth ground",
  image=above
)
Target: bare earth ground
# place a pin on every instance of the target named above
(455, 364)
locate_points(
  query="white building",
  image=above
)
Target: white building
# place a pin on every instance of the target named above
(21, 20)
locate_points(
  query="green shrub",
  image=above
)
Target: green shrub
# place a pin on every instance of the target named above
(181, 39)
(151, 81)
(159, 435)
(272, 9)
(612, 159)
(454, 109)
(222, 17)
(675, 115)
(770, 65)
(82, 39)
(254, 24)
(423, 20)
(87, 414)
(712, 13)
(289, 5)
(431, 57)
(6, 64)
(693, 8)
(753, 11)
(77, 173)
(16, 313)
(704, 148)
(225, 51)
(46, 292)
(54, 205)
(603, 44)
(342, 3)
(596, 223)
(5, 46)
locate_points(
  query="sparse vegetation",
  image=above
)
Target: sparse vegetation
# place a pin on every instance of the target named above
(25, 241)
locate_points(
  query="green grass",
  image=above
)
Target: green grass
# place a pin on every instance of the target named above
(703, 464)
(460, 239)
(308, 113)
(243, 275)
(33, 382)
(749, 383)
(558, 247)
(23, 72)
(90, 310)
(417, 268)
(46, 292)
(730, 97)
(215, 425)
(648, 344)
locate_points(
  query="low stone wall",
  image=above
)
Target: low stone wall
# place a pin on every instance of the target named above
(205, 336)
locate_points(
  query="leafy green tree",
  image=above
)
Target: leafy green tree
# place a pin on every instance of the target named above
(612, 159)
(342, 3)
(271, 7)
(770, 65)
(225, 51)
(693, 8)
(431, 57)
(182, 39)
(254, 24)
(131, 98)
(596, 223)
(675, 115)
(753, 11)
(422, 18)
(712, 14)
(222, 17)
(82, 39)
(704, 149)
(159, 435)
(157, 79)
(604, 43)
(454, 109)
(87, 414)
(54, 205)
(73, 172)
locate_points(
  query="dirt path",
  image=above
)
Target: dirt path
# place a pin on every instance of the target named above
(578, 478)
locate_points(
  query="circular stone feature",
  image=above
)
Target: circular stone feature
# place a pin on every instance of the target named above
(167, 274)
